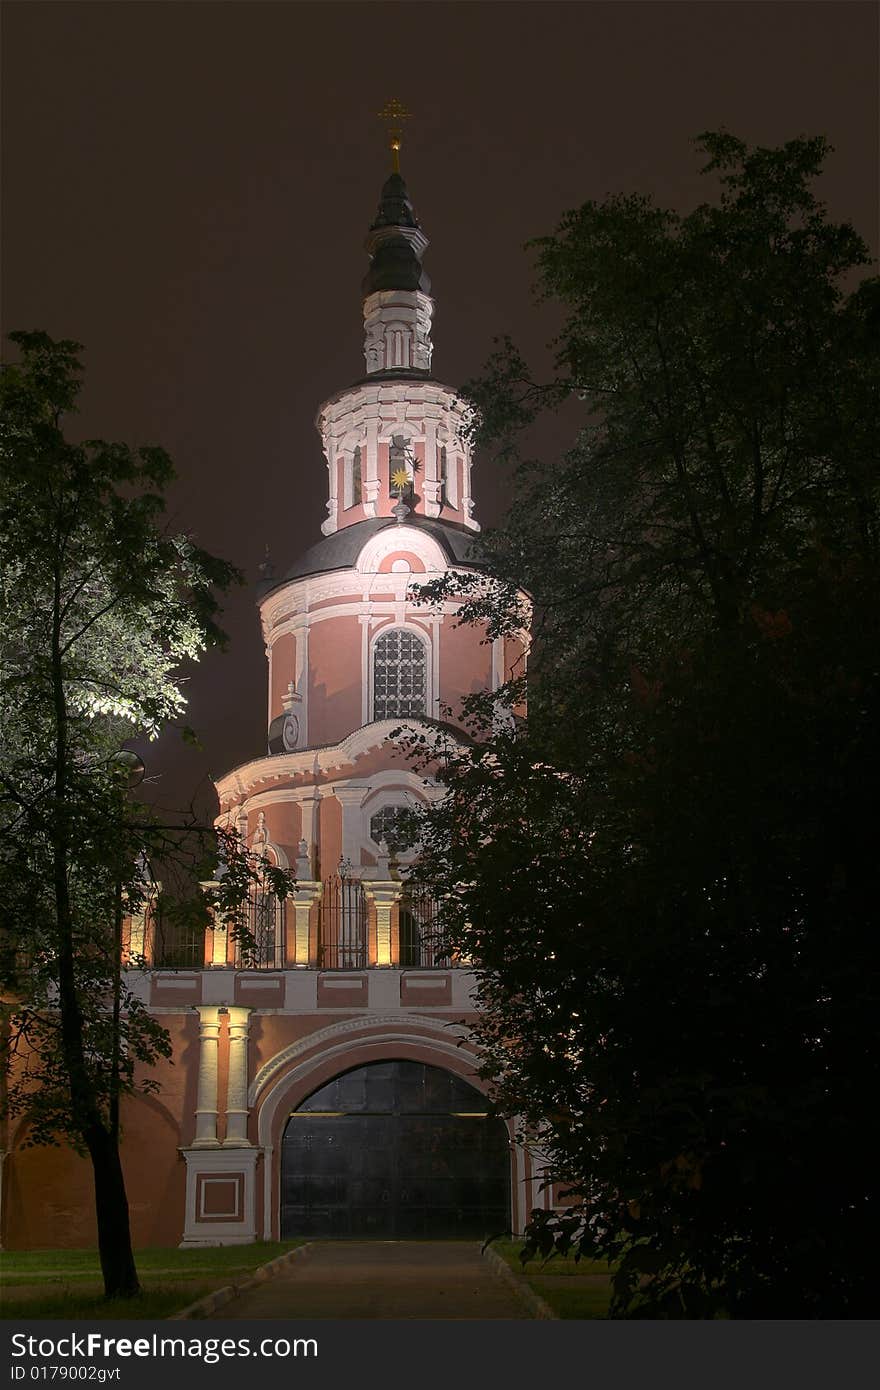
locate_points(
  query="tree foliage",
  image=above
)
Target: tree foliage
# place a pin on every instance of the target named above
(667, 876)
(101, 610)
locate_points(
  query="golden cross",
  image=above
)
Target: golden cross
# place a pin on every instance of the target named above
(394, 115)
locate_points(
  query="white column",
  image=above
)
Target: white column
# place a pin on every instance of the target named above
(384, 895)
(364, 620)
(302, 898)
(301, 680)
(206, 1102)
(467, 501)
(431, 481)
(217, 933)
(434, 654)
(309, 806)
(269, 715)
(351, 796)
(307, 891)
(332, 522)
(371, 470)
(384, 892)
(267, 1193)
(237, 1085)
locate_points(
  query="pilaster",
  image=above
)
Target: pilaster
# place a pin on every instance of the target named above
(383, 892)
(351, 795)
(207, 1105)
(309, 806)
(308, 890)
(431, 482)
(237, 1084)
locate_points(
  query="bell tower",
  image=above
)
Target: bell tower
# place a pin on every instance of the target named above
(349, 969)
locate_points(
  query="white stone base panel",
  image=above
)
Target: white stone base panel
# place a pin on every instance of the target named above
(220, 1196)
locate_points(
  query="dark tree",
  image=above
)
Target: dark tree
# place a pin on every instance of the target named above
(667, 876)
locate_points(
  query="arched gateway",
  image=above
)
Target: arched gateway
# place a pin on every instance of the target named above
(395, 1150)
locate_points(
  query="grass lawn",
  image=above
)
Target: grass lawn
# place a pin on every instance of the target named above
(573, 1289)
(67, 1283)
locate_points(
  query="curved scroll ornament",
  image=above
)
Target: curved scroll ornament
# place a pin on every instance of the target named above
(290, 733)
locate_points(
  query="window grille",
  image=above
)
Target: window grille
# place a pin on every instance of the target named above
(396, 825)
(400, 685)
(342, 937)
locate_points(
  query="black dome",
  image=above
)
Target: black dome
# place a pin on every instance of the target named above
(395, 266)
(341, 550)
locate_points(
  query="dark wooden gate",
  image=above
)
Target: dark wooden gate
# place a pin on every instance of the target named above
(395, 1150)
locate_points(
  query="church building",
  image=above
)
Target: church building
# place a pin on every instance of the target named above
(326, 1086)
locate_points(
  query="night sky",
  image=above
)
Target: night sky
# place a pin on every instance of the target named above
(187, 187)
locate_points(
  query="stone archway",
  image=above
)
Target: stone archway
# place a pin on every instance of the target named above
(394, 1149)
(297, 1071)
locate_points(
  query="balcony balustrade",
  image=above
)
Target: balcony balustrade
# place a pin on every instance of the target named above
(342, 924)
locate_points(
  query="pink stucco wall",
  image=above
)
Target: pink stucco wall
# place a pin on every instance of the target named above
(334, 679)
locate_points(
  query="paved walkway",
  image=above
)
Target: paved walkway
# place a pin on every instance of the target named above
(382, 1279)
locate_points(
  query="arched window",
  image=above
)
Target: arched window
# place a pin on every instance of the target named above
(356, 476)
(400, 675)
(444, 476)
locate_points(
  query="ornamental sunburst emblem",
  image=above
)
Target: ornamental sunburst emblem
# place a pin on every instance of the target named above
(400, 480)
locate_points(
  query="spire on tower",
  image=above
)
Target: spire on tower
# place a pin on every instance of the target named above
(396, 242)
(395, 208)
(396, 288)
(394, 114)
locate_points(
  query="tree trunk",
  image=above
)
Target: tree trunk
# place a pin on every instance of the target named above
(111, 1207)
(114, 1235)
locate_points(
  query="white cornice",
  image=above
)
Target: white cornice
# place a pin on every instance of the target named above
(241, 781)
(368, 398)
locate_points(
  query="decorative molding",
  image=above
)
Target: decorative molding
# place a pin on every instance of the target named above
(349, 1030)
(393, 538)
(239, 784)
(338, 1057)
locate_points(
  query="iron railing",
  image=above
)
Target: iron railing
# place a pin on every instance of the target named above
(267, 929)
(342, 929)
(175, 946)
(420, 940)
